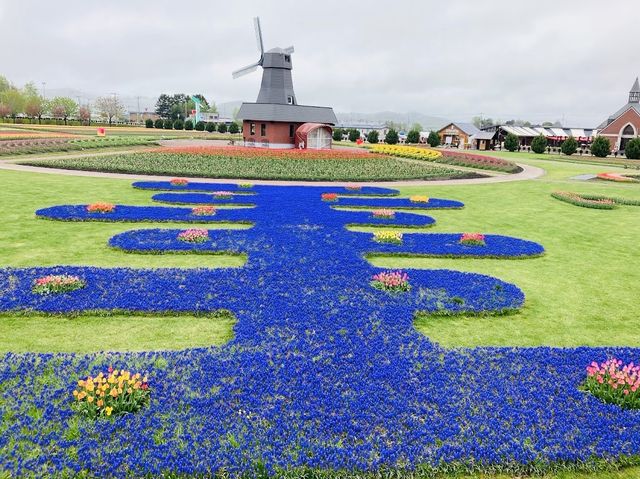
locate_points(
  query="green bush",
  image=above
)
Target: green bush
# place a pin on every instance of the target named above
(222, 127)
(433, 139)
(391, 138)
(413, 136)
(354, 135)
(569, 146)
(200, 126)
(632, 150)
(337, 134)
(159, 124)
(539, 144)
(178, 124)
(211, 127)
(168, 124)
(373, 137)
(148, 123)
(601, 147)
(234, 128)
(511, 142)
(188, 125)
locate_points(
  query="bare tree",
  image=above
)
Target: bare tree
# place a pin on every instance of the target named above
(84, 113)
(109, 108)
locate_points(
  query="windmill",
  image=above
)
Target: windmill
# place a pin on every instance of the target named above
(277, 86)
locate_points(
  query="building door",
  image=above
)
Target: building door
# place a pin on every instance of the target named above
(319, 139)
(627, 134)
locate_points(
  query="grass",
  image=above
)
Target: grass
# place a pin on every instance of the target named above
(254, 166)
(620, 161)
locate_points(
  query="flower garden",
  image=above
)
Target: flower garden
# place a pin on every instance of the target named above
(326, 371)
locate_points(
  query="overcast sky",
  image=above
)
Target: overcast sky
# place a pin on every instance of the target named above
(537, 60)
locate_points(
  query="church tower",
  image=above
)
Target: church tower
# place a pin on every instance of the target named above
(634, 94)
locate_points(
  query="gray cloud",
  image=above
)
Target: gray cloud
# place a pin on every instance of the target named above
(540, 60)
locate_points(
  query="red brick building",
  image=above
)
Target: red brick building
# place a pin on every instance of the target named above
(623, 125)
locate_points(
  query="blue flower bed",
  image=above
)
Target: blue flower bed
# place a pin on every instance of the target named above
(163, 241)
(404, 203)
(324, 370)
(139, 214)
(447, 244)
(201, 198)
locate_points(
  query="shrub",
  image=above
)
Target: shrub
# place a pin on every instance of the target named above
(101, 207)
(539, 144)
(472, 239)
(211, 127)
(433, 139)
(373, 137)
(394, 237)
(569, 146)
(601, 147)
(117, 392)
(200, 126)
(391, 281)
(413, 136)
(613, 383)
(354, 135)
(383, 213)
(205, 210)
(391, 138)
(222, 127)
(194, 235)
(148, 123)
(329, 196)
(178, 124)
(337, 134)
(168, 124)
(632, 150)
(511, 142)
(159, 124)
(56, 284)
(234, 128)
(188, 125)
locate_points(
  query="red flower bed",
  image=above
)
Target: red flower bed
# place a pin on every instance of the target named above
(477, 161)
(242, 152)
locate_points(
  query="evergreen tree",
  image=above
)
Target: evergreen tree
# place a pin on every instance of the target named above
(539, 144)
(632, 149)
(373, 137)
(511, 142)
(601, 147)
(337, 134)
(200, 126)
(354, 135)
(222, 128)
(569, 146)
(433, 139)
(391, 138)
(413, 136)
(234, 128)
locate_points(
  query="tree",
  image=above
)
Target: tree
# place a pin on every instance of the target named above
(159, 124)
(413, 136)
(433, 139)
(163, 106)
(200, 126)
(373, 137)
(601, 147)
(337, 134)
(391, 138)
(416, 126)
(539, 144)
(569, 146)
(222, 128)
(188, 125)
(5, 111)
(632, 149)
(511, 142)
(178, 124)
(63, 107)
(4, 84)
(481, 122)
(354, 134)
(234, 128)
(109, 107)
(13, 100)
(148, 123)
(211, 127)
(35, 107)
(547, 124)
(167, 124)
(84, 114)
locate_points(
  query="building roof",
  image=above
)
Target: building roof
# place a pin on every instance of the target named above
(619, 113)
(530, 131)
(287, 113)
(469, 128)
(636, 87)
(484, 135)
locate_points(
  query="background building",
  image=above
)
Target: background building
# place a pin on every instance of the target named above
(624, 124)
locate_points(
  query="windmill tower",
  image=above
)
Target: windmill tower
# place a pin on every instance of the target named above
(277, 86)
(276, 120)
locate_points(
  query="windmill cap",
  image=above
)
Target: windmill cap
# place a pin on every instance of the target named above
(276, 50)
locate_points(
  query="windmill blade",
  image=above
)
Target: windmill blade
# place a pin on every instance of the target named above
(289, 50)
(246, 70)
(256, 25)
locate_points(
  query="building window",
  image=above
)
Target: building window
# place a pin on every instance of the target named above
(252, 129)
(291, 130)
(289, 99)
(628, 130)
(287, 58)
(263, 129)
